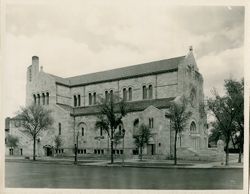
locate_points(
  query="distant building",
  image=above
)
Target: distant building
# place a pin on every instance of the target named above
(148, 90)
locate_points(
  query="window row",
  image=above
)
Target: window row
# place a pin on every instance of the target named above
(127, 94)
(77, 100)
(147, 92)
(42, 99)
(98, 151)
(81, 151)
(59, 151)
(118, 152)
(92, 98)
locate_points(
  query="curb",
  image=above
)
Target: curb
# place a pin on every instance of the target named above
(120, 166)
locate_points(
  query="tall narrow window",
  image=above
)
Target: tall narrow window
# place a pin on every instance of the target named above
(38, 99)
(100, 131)
(94, 95)
(151, 123)
(47, 95)
(106, 95)
(34, 97)
(90, 99)
(111, 94)
(124, 92)
(130, 94)
(59, 129)
(82, 131)
(144, 92)
(120, 130)
(150, 92)
(43, 98)
(79, 100)
(75, 101)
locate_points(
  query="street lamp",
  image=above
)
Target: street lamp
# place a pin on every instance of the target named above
(123, 135)
(76, 147)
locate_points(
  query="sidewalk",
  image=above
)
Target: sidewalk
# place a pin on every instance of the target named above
(233, 163)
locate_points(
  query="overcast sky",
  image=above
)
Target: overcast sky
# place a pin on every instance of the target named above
(78, 38)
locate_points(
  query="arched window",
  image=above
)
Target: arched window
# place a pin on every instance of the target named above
(136, 127)
(75, 101)
(90, 99)
(47, 95)
(120, 129)
(151, 123)
(193, 127)
(106, 95)
(94, 95)
(101, 130)
(111, 94)
(59, 129)
(124, 94)
(34, 97)
(130, 94)
(82, 131)
(144, 92)
(150, 91)
(38, 99)
(79, 100)
(43, 98)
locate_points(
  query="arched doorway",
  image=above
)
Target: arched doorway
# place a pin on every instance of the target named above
(48, 150)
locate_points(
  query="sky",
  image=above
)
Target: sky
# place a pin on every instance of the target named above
(82, 37)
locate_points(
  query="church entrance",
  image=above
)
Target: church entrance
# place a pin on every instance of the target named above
(151, 149)
(48, 150)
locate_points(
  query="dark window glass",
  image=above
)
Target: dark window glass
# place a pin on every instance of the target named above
(130, 94)
(79, 100)
(124, 92)
(144, 92)
(82, 131)
(38, 99)
(94, 95)
(34, 97)
(90, 99)
(75, 101)
(150, 92)
(59, 128)
(47, 95)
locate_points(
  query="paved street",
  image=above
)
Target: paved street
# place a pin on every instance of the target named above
(39, 175)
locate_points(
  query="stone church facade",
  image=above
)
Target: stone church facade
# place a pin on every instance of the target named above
(147, 90)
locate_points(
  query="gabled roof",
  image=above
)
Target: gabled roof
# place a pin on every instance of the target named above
(123, 73)
(130, 106)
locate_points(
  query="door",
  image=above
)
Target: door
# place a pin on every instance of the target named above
(49, 152)
(150, 149)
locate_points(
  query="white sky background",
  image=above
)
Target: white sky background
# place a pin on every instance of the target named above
(78, 37)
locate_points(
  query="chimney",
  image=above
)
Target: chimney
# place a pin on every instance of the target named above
(35, 60)
(35, 65)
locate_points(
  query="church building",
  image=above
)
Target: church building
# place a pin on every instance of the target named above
(148, 89)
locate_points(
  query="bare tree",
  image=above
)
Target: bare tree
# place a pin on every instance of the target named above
(112, 110)
(58, 141)
(178, 118)
(35, 119)
(141, 138)
(12, 141)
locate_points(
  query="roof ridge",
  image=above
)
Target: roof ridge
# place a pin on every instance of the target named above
(124, 67)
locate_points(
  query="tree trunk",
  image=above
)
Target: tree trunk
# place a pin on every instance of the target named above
(112, 146)
(227, 153)
(34, 148)
(175, 152)
(239, 159)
